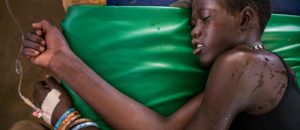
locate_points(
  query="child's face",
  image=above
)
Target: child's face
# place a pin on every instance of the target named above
(215, 30)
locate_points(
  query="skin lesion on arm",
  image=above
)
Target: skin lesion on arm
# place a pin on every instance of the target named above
(227, 92)
(248, 81)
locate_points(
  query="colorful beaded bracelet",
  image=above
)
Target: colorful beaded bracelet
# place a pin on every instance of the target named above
(63, 117)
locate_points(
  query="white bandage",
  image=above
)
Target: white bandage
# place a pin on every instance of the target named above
(49, 104)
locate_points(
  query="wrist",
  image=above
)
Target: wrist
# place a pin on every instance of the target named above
(61, 61)
(71, 119)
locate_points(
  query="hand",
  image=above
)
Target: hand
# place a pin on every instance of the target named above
(41, 51)
(42, 88)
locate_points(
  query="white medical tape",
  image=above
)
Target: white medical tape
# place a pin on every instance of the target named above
(49, 104)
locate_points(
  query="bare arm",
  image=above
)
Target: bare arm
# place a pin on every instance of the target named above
(116, 108)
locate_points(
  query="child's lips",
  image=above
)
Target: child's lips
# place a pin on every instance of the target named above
(198, 49)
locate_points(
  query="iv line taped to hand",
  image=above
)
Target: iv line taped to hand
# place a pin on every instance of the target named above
(18, 65)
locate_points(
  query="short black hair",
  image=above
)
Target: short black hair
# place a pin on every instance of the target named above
(262, 7)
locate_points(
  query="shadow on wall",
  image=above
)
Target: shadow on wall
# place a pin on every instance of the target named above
(12, 109)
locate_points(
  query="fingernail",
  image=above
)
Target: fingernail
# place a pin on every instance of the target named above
(42, 48)
(39, 32)
(43, 42)
(36, 52)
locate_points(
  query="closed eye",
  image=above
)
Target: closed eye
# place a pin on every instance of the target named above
(205, 18)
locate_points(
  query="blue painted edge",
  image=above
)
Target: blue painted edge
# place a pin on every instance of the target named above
(286, 7)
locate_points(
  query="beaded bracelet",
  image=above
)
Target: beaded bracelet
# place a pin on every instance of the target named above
(67, 126)
(62, 118)
(67, 119)
(79, 121)
(86, 124)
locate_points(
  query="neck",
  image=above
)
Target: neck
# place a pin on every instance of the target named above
(252, 39)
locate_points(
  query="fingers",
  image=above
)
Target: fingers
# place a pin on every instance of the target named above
(43, 25)
(37, 25)
(36, 37)
(32, 49)
(28, 52)
(33, 44)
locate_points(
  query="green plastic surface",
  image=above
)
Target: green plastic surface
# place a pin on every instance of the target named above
(282, 36)
(145, 52)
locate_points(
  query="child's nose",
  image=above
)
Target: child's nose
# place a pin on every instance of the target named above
(196, 32)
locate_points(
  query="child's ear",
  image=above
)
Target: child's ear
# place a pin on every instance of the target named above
(247, 18)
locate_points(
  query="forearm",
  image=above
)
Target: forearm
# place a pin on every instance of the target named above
(116, 108)
(181, 118)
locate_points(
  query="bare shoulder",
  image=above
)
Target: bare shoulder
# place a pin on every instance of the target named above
(242, 79)
(259, 75)
(255, 59)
